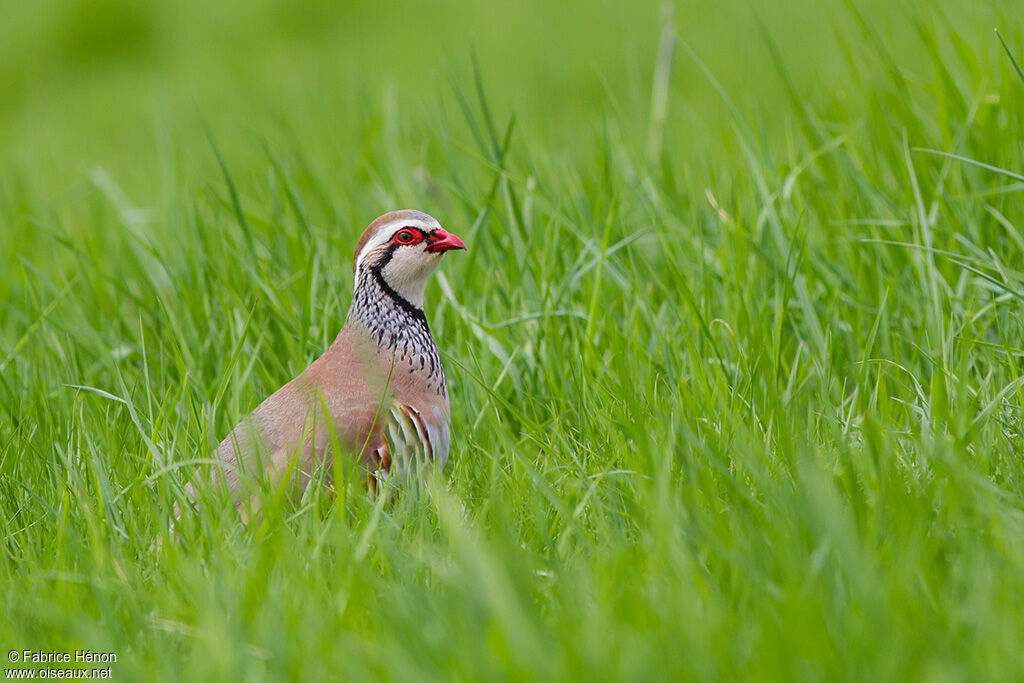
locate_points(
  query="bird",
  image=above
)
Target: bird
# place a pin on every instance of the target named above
(378, 390)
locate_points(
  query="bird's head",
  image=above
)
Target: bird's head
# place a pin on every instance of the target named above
(402, 249)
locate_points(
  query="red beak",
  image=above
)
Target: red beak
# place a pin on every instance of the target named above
(442, 240)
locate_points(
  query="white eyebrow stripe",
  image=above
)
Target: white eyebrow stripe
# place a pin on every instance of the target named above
(385, 232)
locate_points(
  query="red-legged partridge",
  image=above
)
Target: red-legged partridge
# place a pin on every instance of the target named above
(380, 384)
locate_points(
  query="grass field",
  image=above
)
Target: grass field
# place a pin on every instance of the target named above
(736, 362)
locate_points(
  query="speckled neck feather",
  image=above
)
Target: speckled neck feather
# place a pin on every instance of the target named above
(396, 325)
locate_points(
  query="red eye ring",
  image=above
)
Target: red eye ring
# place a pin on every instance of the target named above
(407, 236)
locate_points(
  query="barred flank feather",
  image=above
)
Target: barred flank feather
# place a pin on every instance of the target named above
(410, 443)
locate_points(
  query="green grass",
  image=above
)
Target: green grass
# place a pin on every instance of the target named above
(735, 360)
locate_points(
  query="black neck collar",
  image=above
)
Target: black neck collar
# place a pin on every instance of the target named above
(398, 299)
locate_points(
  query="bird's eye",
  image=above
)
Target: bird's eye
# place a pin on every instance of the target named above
(406, 236)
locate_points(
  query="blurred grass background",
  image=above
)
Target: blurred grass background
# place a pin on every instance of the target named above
(735, 365)
(104, 82)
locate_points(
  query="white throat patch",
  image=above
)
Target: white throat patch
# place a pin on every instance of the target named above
(409, 266)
